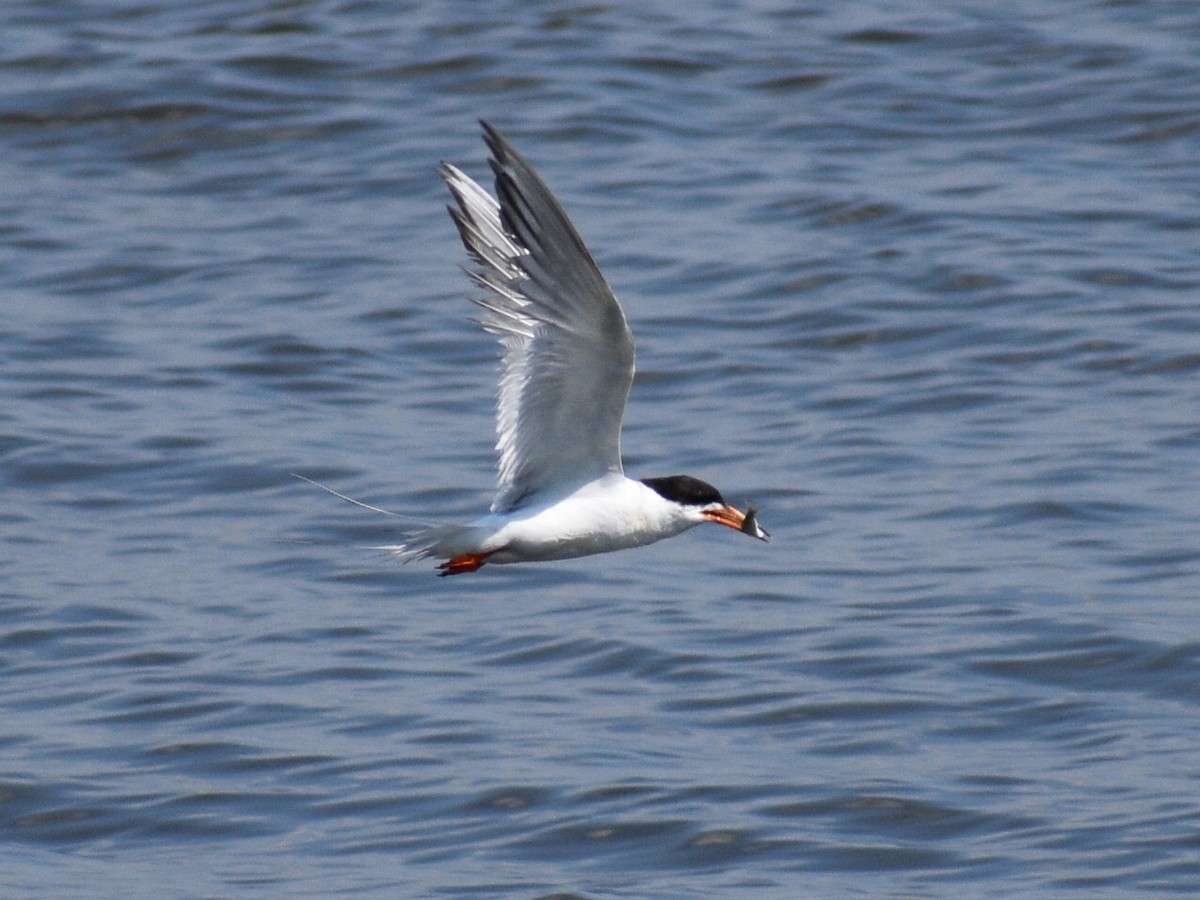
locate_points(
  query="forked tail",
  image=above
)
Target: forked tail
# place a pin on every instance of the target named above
(436, 542)
(427, 541)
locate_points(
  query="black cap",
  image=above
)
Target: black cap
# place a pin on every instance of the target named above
(685, 489)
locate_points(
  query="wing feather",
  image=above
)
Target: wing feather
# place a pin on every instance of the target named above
(568, 352)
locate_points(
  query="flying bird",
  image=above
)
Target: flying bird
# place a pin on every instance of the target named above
(568, 365)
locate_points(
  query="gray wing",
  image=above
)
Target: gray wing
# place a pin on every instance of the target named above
(568, 352)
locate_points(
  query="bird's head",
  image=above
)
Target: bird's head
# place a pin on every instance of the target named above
(703, 501)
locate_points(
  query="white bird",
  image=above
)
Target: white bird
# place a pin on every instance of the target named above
(568, 366)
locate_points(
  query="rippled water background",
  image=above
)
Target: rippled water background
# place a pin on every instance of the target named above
(920, 280)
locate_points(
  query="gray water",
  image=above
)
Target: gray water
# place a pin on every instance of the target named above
(919, 280)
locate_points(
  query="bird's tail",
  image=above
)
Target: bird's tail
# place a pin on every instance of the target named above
(436, 542)
(425, 540)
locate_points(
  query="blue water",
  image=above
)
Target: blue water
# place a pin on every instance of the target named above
(918, 280)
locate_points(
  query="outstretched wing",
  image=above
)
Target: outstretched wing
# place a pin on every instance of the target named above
(568, 352)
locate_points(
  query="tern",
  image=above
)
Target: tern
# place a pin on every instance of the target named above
(568, 365)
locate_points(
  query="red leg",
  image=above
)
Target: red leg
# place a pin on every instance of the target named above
(470, 562)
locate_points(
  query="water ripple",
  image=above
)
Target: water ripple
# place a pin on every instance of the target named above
(918, 282)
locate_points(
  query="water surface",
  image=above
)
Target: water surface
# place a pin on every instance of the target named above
(920, 282)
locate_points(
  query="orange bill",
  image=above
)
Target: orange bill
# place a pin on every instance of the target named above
(745, 522)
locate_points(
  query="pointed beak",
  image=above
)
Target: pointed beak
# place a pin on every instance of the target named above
(746, 523)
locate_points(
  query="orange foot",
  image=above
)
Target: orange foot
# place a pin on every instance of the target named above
(470, 562)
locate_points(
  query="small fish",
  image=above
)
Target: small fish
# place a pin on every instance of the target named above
(751, 527)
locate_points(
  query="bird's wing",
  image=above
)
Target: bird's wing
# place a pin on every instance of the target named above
(568, 352)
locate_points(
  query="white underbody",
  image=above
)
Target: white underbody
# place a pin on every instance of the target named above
(611, 513)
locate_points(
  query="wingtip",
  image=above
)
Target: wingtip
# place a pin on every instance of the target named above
(496, 142)
(502, 150)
